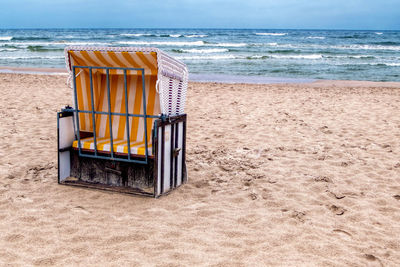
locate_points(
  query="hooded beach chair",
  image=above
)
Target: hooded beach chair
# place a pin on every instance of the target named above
(126, 131)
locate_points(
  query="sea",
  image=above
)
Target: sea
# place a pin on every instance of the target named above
(229, 55)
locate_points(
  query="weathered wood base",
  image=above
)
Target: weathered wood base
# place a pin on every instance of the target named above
(117, 175)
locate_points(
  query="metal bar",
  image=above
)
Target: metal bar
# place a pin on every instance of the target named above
(162, 158)
(58, 146)
(108, 68)
(177, 157)
(77, 113)
(183, 150)
(117, 113)
(155, 153)
(145, 114)
(127, 115)
(171, 155)
(93, 116)
(109, 111)
(115, 159)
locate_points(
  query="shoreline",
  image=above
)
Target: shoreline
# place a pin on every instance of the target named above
(224, 79)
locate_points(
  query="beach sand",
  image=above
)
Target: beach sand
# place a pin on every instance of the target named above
(288, 174)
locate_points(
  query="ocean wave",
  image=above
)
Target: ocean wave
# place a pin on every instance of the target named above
(33, 57)
(215, 57)
(6, 38)
(228, 44)
(316, 37)
(39, 48)
(311, 56)
(271, 33)
(361, 56)
(31, 38)
(202, 51)
(257, 57)
(392, 64)
(339, 47)
(284, 51)
(379, 33)
(53, 43)
(175, 35)
(386, 43)
(8, 50)
(136, 34)
(196, 35)
(9, 46)
(370, 47)
(197, 43)
(172, 43)
(350, 56)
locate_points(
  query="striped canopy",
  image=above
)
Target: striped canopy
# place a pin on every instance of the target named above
(102, 58)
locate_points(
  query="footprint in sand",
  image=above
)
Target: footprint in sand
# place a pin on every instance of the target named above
(342, 232)
(337, 209)
(23, 198)
(80, 209)
(371, 257)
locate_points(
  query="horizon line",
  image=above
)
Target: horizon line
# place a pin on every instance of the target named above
(186, 28)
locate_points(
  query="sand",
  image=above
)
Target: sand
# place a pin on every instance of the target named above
(289, 174)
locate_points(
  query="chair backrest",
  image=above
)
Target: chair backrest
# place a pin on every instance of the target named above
(147, 61)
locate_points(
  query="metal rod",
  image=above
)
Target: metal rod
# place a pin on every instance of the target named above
(183, 179)
(108, 68)
(93, 116)
(77, 113)
(156, 159)
(109, 111)
(176, 159)
(116, 159)
(120, 114)
(162, 158)
(144, 112)
(127, 115)
(171, 156)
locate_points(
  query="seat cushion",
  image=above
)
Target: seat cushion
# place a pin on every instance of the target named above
(119, 145)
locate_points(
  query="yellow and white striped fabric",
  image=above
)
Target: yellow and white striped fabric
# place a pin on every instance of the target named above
(148, 61)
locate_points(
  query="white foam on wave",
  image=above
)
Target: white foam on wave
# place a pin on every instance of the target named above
(6, 38)
(196, 35)
(379, 33)
(8, 49)
(171, 43)
(135, 34)
(197, 43)
(32, 57)
(392, 64)
(316, 37)
(175, 35)
(360, 56)
(271, 33)
(214, 57)
(257, 57)
(205, 51)
(341, 47)
(312, 56)
(229, 44)
(371, 47)
(61, 43)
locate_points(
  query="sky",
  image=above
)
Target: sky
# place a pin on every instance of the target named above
(267, 14)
